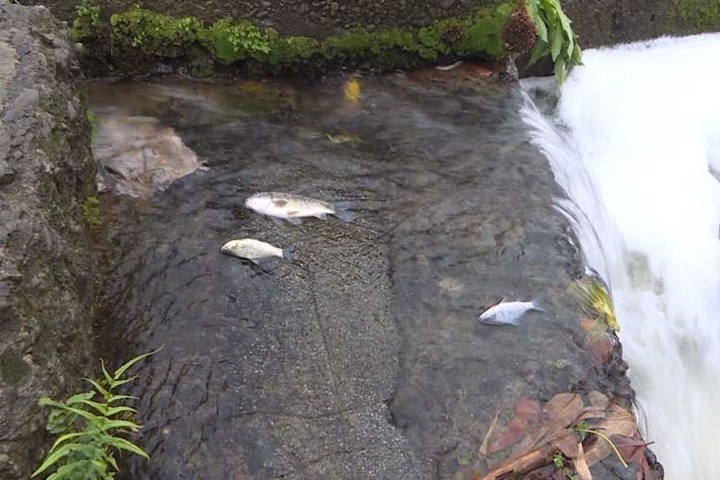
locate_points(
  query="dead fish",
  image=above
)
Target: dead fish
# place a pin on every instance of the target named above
(254, 250)
(342, 138)
(508, 313)
(445, 68)
(294, 207)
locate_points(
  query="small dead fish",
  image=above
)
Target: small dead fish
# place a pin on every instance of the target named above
(342, 138)
(508, 313)
(445, 68)
(294, 207)
(253, 250)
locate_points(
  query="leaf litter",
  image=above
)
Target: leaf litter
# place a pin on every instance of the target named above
(581, 429)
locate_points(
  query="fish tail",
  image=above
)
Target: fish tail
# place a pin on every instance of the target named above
(342, 211)
(539, 303)
(288, 253)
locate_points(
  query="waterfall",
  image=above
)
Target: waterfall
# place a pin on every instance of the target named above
(635, 142)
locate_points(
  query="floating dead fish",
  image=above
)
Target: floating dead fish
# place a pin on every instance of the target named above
(445, 68)
(342, 138)
(294, 207)
(254, 250)
(508, 313)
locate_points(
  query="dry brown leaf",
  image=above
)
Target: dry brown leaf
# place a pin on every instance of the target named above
(600, 347)
(560, 412)
(587, 324)
(514, 432)
(618, 422)
(598, 400)
(527, 408)
(568, 444)
(581, 466)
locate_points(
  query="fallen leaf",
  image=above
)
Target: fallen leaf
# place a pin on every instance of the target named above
(632, 449)
(568, 444)
(598, 400)
(600, 347)
(352, 91)
(617, 422)
(513, 433)
(527, 408)
(581, 466)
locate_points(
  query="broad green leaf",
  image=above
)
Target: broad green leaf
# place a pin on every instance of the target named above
(106, 374)
(65, 437)
(117, 383)
(79, 397)
(540, 50)
(576, 57)
(54, 457)
(537, 20)
(116, 398)
(120, 371)
(123, 444)
(107, 424)
(98, 387)
(112, 411)
(93, 419)
(556, 41)
(100, 407)
(560, 70)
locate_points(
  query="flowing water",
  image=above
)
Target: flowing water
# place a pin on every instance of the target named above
(635, 141)
(362, 357)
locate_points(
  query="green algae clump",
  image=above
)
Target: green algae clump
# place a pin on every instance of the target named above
(228, 42)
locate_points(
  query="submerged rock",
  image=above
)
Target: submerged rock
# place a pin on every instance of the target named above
(137, 155)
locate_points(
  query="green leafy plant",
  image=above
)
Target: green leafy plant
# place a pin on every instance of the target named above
(91, 426)
(560, 462)
(555, 37)
(88, 17)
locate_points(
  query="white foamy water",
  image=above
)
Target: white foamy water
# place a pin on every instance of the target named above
(639, 135)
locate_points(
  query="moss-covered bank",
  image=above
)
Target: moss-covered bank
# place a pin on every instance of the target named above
(135, 41)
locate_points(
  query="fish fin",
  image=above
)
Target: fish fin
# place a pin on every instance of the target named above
(295, 220)
(539, 303)
(261, 262)
(321, 216)
(486, 308)
(288, 253)
(342, 211)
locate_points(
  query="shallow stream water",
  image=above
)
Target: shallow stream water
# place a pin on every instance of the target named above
(362, 357)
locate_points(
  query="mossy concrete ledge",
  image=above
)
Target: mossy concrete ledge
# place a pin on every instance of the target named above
(46, 172)
(139, 40)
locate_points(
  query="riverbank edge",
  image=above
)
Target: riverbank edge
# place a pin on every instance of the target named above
(47, 281)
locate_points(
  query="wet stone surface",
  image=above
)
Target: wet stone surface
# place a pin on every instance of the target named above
(362, 357)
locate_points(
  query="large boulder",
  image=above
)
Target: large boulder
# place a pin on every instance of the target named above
(45, 269)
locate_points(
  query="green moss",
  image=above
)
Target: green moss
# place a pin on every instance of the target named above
(90, 211)
(265, 51)
(701, 14)
(12, 367)
(153, 34)
(87, 20)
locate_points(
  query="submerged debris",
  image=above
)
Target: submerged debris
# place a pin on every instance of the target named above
(137, 156)
(567, 436)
